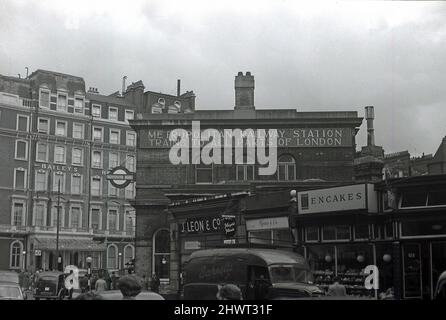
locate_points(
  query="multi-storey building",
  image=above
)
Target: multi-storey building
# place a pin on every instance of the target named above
(179, 207)
(58, 143)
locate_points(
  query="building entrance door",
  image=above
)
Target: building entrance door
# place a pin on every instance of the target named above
(412, 272)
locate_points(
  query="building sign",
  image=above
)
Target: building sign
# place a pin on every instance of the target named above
(202, 225)
(286, 137)
(120, 177)
(58, 167)
(267, 224)
(353, 197)
(192, 245)
(229, 225)
(38, 253)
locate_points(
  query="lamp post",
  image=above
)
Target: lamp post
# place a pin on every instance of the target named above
(24, 257)
(89, 260)
(119, 261)
(163, 263)
(59, 260)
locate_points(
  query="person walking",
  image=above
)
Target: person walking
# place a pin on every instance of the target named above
(100, 285)
(155, 283)
(336, 289)
(114, 281)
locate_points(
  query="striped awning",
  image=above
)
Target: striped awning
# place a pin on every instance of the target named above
(69, 244)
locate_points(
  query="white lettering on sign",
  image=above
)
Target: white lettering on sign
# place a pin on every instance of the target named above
(58, 167)
(269, 223)
(351, 197)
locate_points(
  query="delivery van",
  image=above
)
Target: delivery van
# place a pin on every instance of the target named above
(260, 274)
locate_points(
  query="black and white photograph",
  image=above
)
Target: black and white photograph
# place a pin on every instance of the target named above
(200, 151)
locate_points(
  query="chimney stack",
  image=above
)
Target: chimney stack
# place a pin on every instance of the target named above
(370, 116)
(244, 91)
(178, 87)
(123, 85)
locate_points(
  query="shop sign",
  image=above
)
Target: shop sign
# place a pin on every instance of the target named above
(202, 225)
(192, 245)
(229, 224)
(38, 253)
(353, 197)
(58, 167)
(267, 223)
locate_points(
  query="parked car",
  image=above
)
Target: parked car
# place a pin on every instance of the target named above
(9, 276)
(440, 289)
(259, 273)
(117, 295)
(10, 291)
(50, 285)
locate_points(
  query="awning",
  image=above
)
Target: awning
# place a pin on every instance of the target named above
(69, 244)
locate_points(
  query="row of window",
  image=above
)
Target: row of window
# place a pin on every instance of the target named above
(59, 180)
(16, 249)
(77, 155)
(113, 112)
(344, 232)
(75, 217)
(78, 130)
(62, 101)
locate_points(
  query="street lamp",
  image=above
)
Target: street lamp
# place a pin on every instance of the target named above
(24, 257)
(119, 260)
(59, 260)
(89, 260)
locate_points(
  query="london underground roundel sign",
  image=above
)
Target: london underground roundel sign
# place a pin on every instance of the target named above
(120, 177)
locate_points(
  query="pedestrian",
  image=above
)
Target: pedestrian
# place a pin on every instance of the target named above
(229, 292)
(114, 281)
(336, 289)
(155, 283)
(100, 285)
(145, 282)
(130, 287)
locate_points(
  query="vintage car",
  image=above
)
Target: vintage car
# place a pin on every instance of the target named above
(440, 290)
(259, 273)
(50, 285)
(9, 276)
(10, 291)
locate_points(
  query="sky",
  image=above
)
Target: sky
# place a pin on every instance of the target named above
(311, 56)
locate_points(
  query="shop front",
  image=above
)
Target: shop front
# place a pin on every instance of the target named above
(337, 234)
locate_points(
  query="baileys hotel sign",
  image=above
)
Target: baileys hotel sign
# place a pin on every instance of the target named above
(352, 197)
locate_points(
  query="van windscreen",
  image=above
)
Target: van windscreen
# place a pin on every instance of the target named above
(290, 273)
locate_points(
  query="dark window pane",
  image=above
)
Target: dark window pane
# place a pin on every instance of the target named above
(329, 233)
(343, 233)
(414, 199)
(312, 233)
(362, 231)
(437, 198)
(162, 242)
(423, 228)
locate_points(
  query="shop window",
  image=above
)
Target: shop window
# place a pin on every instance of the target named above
(161, 253)
(414, 199)
(388, 230)
(282, 237)
(362, 232)
(436, 198)
(260, 237)
(423, 228)
(203, 174)
(321, 259)
(311, 234)
(336, 233)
